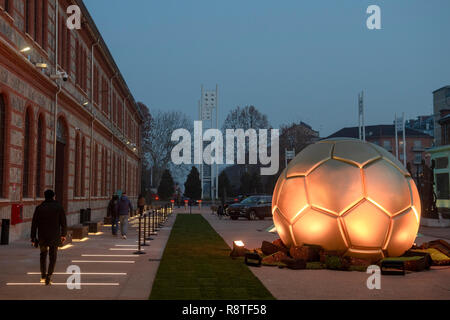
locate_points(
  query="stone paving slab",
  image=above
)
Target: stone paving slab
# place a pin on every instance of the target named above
(288, 284)
(19, 258)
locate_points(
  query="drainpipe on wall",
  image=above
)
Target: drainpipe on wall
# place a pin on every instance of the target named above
(112, 131)
(55, 115)
(124, 166)
(55, 124)
(92, 121)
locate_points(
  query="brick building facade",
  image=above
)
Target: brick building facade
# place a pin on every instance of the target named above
(417, 142)
(80, 136)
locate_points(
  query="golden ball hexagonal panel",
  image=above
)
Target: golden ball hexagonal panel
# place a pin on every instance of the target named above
(348, 196)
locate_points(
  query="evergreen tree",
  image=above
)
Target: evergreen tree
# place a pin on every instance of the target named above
(256, 185)
(246, 183)
(224, 186)
(193, 185)
(166, 187)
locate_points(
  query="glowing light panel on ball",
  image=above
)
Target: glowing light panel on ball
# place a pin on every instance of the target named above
(348, 196)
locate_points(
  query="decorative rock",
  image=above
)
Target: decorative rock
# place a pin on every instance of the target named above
(294, 264)
(280, 245)
(274, 258)
(269, 248)
(360, 262)
(306, 252)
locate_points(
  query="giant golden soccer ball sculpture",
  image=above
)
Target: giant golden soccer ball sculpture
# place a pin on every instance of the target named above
(348, 196)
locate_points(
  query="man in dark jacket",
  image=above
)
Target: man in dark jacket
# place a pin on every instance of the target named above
(112, 212)
(123, 208)
(49, 220)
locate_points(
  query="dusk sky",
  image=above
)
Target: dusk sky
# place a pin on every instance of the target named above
(293, 60)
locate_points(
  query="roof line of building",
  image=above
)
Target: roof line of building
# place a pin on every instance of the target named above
(444, 87)
(97, 35)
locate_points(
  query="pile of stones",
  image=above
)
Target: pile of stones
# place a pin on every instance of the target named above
(307, 257)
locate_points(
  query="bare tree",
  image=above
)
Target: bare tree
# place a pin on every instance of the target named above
(246, 118)
(295, 136)
(157, 145)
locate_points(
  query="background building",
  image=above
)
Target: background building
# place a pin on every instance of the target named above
(423, 124)
(80, 136)
(384, 135)
(440, 154)
(441, 103)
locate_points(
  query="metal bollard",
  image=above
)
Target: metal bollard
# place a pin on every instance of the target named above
(139, 240)
(160, 217)
(149, 232)
(145, 231)
(155, 220)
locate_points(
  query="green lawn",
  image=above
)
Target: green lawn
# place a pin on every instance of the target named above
(196, 265)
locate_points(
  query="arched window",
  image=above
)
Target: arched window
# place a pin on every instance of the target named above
(83, 168)
(26, 157)
(2, 143)
(40, 157)
(77, 167)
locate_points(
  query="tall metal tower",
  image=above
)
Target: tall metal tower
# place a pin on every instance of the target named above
(361, 124)
(208, 109)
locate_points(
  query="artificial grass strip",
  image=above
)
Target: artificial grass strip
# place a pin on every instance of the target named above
(196, 266)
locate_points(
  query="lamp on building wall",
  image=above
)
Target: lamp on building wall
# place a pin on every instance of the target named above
(26, 49)
(41, 65)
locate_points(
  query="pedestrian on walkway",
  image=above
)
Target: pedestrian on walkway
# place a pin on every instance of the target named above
(49, 222)
(113, 213)
(124, 208)
(141, 204)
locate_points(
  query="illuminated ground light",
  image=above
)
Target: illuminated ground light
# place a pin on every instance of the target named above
(80, 240)
(89, 261)
(238, 248)
(120, 249)
(67, 246)
(126, 245)
(348, 196)
(109, 255)
(239, 243)
(83, 273)
(62, 284)
(96, 234)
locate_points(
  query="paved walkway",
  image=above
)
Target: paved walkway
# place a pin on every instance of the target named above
(327, 284)
(109, 269)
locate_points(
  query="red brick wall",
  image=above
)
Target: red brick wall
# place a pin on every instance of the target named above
(26, 88)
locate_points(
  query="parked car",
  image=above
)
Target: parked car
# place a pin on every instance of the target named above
(252, 208)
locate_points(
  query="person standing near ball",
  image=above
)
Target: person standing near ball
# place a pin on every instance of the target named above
(49, 222)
